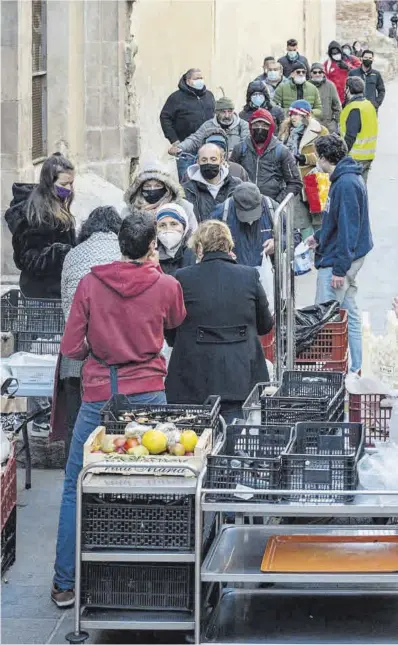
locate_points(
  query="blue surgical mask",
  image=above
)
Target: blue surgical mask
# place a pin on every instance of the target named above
(198, 84)
(257, 100)
(273, 75)
(292, 55)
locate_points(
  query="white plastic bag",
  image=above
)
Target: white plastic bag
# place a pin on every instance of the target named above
(302, 259)
(266, 273)
(378, 471)
(5, 447)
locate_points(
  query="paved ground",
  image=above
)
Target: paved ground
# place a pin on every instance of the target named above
(28, 616)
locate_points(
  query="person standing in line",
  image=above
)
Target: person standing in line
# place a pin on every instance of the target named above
(349, 52)
(345, 238)
(359, 125)
(116, 322)
(257, 95)
(337, 67)
(292, 56)
(209, 181)
(375, 90)
(219, 138)
(172, 227)
(298, 88)
(185, 110)
(331, 106)
(274, 77)
(269, 164)
(263, 77)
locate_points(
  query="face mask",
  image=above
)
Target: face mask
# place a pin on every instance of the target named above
(209, 170)
(336, 57)
(260, 136)
(292, 55)
(299, 80)
(347, 52)
(273, 75)
(367, 63)
(317, 81)
(62, 192)
(170, 239)
(257, 100)
(198, 84)
(153, 195)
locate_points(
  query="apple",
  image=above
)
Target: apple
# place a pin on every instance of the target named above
(178, 450)
(131, 442)
(189, 454)
(119, 442)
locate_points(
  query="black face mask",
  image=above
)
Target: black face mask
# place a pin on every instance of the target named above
(260, 136)
(367, 63)
(153, 195)
(209, 170)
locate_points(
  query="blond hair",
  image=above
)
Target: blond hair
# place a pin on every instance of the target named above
(212, 236)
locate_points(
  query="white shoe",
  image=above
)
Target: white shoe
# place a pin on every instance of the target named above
(40, 430)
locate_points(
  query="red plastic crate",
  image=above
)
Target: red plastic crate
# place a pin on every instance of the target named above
(322, 365)
(331, 342)
(268, 345)
(368, 409)
(8, 487)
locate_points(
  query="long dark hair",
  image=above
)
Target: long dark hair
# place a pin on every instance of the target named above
(104, 219)
(44, 207)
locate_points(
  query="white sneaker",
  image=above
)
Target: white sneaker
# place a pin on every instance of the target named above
(40, 430)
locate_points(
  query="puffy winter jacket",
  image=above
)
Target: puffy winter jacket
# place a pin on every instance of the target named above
(39, 251)
(236, 132)
(287, 93)
(185, 110)
(198, 193)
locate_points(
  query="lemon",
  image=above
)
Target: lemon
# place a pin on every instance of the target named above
(155, 441)
(189, 439)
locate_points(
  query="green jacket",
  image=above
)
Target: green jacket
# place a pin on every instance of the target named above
(286, 94)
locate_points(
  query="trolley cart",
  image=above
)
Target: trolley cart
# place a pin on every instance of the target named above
(236, 554)
(91, 617)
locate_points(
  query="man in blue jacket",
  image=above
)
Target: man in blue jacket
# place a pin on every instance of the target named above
(345, 237)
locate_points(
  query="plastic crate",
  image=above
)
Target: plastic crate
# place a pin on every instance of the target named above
(369, 410)
(319, 365)
(331, 342)
(9, 487)
(149, 522)
(9, 541)
(205, 416)
(251, 408)
(317, 386)
(268, 345)
(32, 369)
(322, 456)
(138, 586)
(36, 324)
(249, 459)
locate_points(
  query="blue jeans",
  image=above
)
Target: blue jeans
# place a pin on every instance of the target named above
(88, 419)
(346, 297)
(183, 163)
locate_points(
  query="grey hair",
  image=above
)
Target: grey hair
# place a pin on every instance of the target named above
(191, 72)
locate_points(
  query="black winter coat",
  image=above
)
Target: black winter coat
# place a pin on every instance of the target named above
(39, 251)
(275, 172)
(288, 64)
(374, 85)
(185, 110)
(184, 257)
(203, 201)
(216, 349)
(277, 114)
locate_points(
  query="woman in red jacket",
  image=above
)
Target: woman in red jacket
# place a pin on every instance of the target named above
(338, 66)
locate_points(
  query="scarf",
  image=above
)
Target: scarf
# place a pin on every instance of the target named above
(295, 136)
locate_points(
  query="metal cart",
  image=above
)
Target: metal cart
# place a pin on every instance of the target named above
(235, 556)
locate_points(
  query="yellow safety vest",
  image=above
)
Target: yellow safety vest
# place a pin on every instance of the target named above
(364, 147)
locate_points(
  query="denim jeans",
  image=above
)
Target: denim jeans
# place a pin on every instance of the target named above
(346, 297)
(88, 419)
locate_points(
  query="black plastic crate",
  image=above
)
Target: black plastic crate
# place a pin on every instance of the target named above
(318, 386)
(200, 416)
(9, 541)
(149, 522)
(36, 324)
(250, 458)
(292, 410)
(142, 586)
(322, 456)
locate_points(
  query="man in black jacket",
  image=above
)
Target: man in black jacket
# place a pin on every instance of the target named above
(374, 84)
(209, 181)
(292, 57)
(269, 164)
(185, 110)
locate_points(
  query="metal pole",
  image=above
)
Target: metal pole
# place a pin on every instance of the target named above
(278, 287)
(290, 295)
(198, 555)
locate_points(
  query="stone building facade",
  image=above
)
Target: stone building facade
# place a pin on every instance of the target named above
(89, 77)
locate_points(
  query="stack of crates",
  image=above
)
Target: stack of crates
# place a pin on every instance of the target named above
(329, 351)
(374, 412)
(9, 511)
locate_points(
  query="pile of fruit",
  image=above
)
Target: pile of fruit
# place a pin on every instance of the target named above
(141, 442)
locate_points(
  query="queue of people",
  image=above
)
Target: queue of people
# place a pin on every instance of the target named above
(180, 263)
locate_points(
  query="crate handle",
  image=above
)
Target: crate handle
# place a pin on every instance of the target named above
(212, 400)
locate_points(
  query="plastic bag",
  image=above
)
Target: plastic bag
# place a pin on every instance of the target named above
(5, 447)
(310, 320)
(380, 353)
(378, 471)
(302, 259)
(266, 273)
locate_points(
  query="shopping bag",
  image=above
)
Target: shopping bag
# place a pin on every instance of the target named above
(266, 273)
(316, 185)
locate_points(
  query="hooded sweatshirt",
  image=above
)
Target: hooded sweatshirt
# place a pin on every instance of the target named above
(259, 87)
(345, 235)
(205, 196)
(119, 313)
(185, 110)
(337, 71)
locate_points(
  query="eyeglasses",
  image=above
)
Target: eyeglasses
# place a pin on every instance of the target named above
(300, 73)
(319, 73)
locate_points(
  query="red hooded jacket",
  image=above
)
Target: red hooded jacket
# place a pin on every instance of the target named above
(119, 312)
(339, 76)
(267, 116)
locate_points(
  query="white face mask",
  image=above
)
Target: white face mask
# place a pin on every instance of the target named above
(336, 56)
(273, 75)
(299, 80)
(170, 239)
(198, 84)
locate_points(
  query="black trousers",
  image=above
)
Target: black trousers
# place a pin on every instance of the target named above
(73, 398)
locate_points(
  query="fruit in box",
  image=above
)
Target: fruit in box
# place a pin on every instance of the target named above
(155, 441)
(138, 451)
(189, 439)
(177, 450)
(107, 444)
(131, 442)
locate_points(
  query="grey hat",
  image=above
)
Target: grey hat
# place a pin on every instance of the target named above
(316, 66)
(247, 198)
